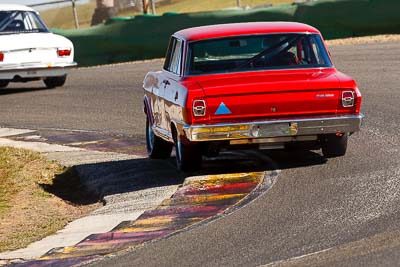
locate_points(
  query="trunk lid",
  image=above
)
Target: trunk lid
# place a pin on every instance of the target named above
(272, 94)
(29, 48)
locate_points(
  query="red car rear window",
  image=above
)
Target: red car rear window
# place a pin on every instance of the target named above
(245, 53)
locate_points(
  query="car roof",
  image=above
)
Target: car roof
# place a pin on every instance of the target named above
(15, 7)
(246, 28)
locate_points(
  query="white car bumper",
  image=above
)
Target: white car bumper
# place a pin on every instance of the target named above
(34, 70)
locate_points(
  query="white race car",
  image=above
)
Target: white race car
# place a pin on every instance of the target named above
(29, 51)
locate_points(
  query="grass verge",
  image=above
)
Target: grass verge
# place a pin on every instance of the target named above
(63, 18)
(186, 6)
(365, 39)
(37, 197)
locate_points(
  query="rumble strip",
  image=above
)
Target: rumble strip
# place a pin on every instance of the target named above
(199, 200)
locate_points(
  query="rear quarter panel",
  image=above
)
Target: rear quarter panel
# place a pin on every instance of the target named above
(165, 104)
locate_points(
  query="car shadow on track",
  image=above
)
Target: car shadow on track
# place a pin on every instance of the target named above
(68, 186)
(295, 159)
(98, 180)
(20, 90)
(124, 176)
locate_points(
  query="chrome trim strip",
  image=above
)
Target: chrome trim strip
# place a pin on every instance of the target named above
(33, 67)
(274, 128)
(273, 140)
(162, 133)
(30, 49)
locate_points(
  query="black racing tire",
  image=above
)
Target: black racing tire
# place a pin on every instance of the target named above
(157, 148)
(188, 156)
(4, 83)
(333, 145)
(53, 82)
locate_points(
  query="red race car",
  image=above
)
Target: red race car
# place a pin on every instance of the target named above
(256, 85)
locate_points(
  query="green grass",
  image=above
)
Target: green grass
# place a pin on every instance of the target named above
(63, 18)
(12, 177)
(182, 6)
(37, 197)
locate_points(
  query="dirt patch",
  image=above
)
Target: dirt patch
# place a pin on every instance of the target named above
(37, 197)
(365, 40)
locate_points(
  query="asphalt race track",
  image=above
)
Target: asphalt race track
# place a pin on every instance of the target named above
(344, 211)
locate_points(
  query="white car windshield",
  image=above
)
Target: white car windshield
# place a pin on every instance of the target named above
(21, 22)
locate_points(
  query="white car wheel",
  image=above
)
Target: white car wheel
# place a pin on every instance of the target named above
(53, 82)
(3, 83)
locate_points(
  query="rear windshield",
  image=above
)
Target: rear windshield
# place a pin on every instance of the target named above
(21, 22)
(257, 52)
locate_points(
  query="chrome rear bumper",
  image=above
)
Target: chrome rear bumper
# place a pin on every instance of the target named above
(274, 128)
(34, 70)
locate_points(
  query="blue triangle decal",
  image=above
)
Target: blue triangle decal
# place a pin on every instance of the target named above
(222, 109)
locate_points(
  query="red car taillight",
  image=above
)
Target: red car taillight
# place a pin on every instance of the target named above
(64, 52)
(1, 56)
(199, 108)
(348, 99)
